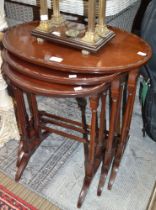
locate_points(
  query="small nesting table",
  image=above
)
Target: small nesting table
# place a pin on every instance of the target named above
(41, 68)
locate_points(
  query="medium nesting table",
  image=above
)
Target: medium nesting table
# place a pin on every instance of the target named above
(34, 68)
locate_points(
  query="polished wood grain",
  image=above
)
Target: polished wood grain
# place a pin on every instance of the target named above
(40, 87)
(112, 72)
(120, 54)
(54, 76)
(124, 135)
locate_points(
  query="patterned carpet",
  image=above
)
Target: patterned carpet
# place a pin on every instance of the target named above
(56, 169)
(55, 150)
(15, 196)
(9, 201)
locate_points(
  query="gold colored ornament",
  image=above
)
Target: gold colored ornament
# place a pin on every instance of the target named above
(90, 38)
(57, 19)
(44, 26)
(101, 28)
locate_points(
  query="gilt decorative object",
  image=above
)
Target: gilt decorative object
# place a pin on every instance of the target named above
(89, 37)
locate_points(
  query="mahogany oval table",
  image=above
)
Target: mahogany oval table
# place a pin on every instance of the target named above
(42, 68)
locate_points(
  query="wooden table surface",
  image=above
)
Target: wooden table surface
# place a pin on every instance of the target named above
(29, 71)
(120, 54)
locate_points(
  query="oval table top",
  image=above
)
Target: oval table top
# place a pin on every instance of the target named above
(52, 75)
(124, 52)
(44, 88)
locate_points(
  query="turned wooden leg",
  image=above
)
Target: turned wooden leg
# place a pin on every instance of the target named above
(90, 170)
(118, 119)
(82, 103)
(23, 124)
(35, 118)
(35, 130)
(117, 128)
(102, 132)
(109, 151)
(131, 88)
(124, 98)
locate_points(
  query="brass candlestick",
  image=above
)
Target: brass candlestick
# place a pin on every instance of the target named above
(101, 27)
(57, 19)
(44, 23)
(91, 36)
(71, 33)
(43, 8)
